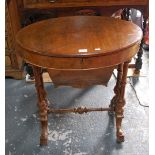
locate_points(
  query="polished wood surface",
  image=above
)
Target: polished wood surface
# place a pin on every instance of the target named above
(24, 12)
(68, 32)
(34, 10)
(31, 11)
(71, 7)
(13, 63)
(65, 47)
(85, 42)
(29, 4)
(79, 39)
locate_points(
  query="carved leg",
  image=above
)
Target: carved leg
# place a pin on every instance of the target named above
(116, 88)
(42, 104)
(120, 104)
(138, 64)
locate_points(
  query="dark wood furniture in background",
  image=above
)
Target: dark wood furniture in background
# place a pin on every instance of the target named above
(34, 10)
(61, 47)
(13, 63)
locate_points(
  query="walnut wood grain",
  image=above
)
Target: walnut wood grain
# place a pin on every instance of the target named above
(81, 78)
(66, 48)
(70, 32)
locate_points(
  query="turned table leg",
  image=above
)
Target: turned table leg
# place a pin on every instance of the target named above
(117, 87)
(138, 64)
(120, 104)
(42, 104)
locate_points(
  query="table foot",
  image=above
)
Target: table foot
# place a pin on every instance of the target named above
(44, 124)
(43, 139)
(119, 132)
(120, 135)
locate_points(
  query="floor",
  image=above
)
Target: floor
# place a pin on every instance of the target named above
(74, 134)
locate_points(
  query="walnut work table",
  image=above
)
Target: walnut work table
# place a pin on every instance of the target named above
(80, 51)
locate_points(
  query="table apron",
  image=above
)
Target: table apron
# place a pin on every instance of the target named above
(78, 62)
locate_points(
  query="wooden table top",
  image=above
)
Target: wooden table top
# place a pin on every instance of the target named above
(78, 36)
(78, 42)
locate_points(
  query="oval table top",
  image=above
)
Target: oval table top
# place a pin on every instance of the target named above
(78, 36)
